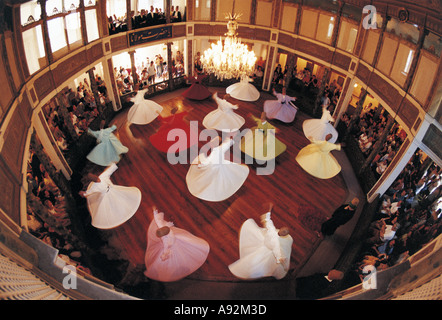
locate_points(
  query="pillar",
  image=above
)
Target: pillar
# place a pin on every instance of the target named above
(94, 89)
(169, 66)
(133, 67)
(44, 27)
(355, 117)
(317, 107)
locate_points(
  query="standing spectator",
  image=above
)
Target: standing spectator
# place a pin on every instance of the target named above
(340, 216)
(151, 71)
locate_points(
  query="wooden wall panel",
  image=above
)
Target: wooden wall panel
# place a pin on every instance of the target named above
(10, 190)
(6, 92)
(179, 31)
(363, 73)
(341, 60)
(94, 53)
(44, 85)
(13, 147)
(386, 91)
(286, 40)
(408, 112)
(313, 49)
(119, 43)
(26, 109)
(69, 67)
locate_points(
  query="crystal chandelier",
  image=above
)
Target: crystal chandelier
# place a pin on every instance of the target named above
(231, 59)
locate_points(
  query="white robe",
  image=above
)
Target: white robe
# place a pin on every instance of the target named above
(216, 178)
(143, 111)
(282, 109)
(243, 90)
(262, 252)
(175, 255)
(111, 205)
(318, 129)
(223, 118)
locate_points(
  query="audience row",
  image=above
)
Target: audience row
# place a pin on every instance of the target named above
(145, 18)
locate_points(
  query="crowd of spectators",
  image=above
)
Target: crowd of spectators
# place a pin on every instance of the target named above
(82, 104)
(408, 217)
(144, 18)
(368, 131)
(46, 191)
(82, 110)
(149, 72)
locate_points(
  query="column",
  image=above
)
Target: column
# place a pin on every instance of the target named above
(269, 67)
(94, 89)
(169, 66)
(253, 12)
(291, 61)
(385, 20)
(298, 16)
(344, 99)
(337, 25)
(83, 23)
(356, 115)
(128, 15)
(422, 34)
(44, 26)
(317, 107)
(133, 67)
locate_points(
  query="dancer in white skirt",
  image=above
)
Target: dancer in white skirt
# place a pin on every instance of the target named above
(223, 118)
(172, 253)
(243, 90)
(282, 109)
(214, 178)
(263, 252)
(318, 129)
(110, 205)
(143, 111)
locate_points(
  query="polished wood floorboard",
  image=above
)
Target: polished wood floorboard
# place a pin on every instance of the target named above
(293, 192)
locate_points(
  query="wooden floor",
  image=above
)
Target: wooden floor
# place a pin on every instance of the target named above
(294, 192)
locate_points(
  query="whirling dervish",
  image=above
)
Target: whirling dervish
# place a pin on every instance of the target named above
(318, 129)
(143, 111)
(317, 160)
(110, 205)
(260, 141)
(197, 90)
(214, 178)
(282, 109)
(223, 118)
(108, 149)
(243, 90)
(263, 251)
(172, 253)
(164, 139)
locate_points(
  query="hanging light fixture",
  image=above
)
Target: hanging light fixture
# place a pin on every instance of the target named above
(231, 59)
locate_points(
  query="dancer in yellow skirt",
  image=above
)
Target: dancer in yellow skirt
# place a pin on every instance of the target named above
(260, 142)
(317, 160)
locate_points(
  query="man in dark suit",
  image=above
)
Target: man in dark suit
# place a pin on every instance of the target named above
(176, 15)
(152, 17)
(341, 216)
